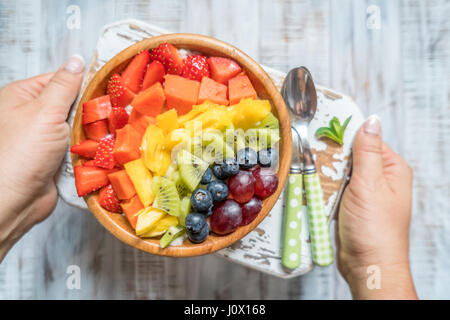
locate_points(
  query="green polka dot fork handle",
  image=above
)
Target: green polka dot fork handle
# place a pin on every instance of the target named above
(322, 251)
(290, 257)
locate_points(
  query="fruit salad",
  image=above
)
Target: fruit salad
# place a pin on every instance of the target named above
(181, 147)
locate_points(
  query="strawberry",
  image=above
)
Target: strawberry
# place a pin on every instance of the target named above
(104, 157)
(108, 199)
(87, 148)
(195, 67)
(120, 95)
(134, 73)
(117, 119)
(88, 179)
(169, 56)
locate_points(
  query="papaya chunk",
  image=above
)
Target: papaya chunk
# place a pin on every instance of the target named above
(181, 93)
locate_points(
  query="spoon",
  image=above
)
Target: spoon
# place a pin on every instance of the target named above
(300, 96)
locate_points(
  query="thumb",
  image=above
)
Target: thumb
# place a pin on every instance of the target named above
(62, 89)
(367, 150)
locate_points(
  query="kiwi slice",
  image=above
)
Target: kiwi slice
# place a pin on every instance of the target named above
(270, 122)
(166, 196)
(191, 169)
(182, 189)
(185, 209)
(258, 139)
(216, 149)
(171, 234)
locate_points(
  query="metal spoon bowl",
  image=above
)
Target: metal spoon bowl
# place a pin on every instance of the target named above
(299, 94)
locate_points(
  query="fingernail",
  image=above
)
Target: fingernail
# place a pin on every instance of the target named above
(75, 64)
(373, 125)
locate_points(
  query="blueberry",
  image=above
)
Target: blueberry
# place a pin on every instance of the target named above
(266, 157)
(195, 222)
(218, 189)
(207, 176)
(200, 236)
(201, 200)
(247, 158)
(230, 167)
(217, 170)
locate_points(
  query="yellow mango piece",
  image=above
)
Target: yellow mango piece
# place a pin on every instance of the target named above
(151, 146)
(176, 137)
(142, 180)
(161, 226)
(217, 117)
(147, 219)
(247, 113)
(167, 121)
(196, 110)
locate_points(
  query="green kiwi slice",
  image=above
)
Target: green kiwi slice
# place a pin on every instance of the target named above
(191, 169)
(166, 196)
(270, 122)
(171, 234)
(185, 209)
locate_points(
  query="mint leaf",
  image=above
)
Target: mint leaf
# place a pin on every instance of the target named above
(335, 132)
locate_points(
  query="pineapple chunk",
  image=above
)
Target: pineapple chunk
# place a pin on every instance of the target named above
(147, 219)
(217, 117)
(247, 113)
(161, 226)
(155, 156)
(142, 179)
(168, 121)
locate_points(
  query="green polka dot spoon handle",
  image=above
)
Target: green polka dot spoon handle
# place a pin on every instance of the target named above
(290, 257)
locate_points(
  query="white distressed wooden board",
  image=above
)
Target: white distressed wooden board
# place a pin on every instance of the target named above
(261, 248)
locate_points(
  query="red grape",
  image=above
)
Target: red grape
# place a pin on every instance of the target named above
(226, 217)
(250, 210)
(266, 182)
(242, 186)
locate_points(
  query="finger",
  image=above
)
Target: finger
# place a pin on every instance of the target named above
(62, 89)
(367, 150)
(395, 168)
(22, 91)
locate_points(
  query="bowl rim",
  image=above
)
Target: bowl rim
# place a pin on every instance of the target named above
(194, 42)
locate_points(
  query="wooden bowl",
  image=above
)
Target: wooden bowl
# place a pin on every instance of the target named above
(117, 224)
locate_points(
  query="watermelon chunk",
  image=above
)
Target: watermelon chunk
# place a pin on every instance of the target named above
(223, 69)
(126, 148)
(213, 91)
(96, 109)
(133, 75)
(181, 93)
(240, 87)
(155, 73)
(96, 130)
(150, 101)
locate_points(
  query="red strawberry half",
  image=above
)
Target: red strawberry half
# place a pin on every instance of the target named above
(87, 148)
(133, 75)
(117, 119)
(120, 95)
(104, 157)
(195, 67)
(108, 199)
(169, 56)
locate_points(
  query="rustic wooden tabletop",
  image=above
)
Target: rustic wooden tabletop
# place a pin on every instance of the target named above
(392, 57)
